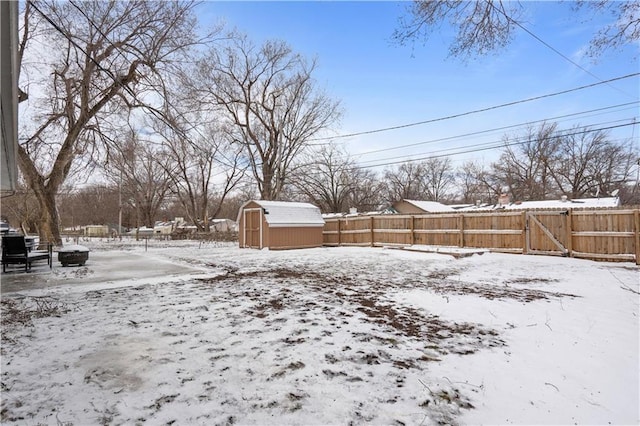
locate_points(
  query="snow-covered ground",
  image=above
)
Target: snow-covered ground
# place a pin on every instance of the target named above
(206, 333)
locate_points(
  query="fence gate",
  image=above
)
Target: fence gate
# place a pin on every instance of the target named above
(253, 228)
(547, 232)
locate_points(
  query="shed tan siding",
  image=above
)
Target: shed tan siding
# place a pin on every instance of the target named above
(290, 237)
(274, 237)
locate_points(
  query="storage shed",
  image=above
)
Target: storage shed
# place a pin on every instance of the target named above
(279, 225)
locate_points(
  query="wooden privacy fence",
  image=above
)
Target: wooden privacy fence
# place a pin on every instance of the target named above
(610, 234)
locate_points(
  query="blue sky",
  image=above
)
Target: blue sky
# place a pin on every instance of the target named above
(381, 84)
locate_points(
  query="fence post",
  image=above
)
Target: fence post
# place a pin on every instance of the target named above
(569, 224)
(636, 214)
(412, 236)
(525, 235)
(461, 227)
(371, 224)
(339, 239)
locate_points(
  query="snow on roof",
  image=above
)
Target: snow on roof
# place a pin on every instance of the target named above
(357, 214)
(285, 213)
(430, 206)
(332, 215)
(576, 203)
(603, 202)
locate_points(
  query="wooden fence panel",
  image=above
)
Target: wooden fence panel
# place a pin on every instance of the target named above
(597, 234)
(501, 231)
(331, 235)
(437, 230)
(604, 234)
(355, 231)
(392, 230)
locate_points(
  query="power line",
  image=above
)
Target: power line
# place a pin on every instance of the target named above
(449, 117)
(491, 130)
(552, 48)
(468, 149)
(493, 146)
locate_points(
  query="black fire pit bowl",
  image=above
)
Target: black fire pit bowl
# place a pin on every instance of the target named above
(73, 255)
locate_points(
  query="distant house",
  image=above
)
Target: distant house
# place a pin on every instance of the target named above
(96, 231)
(222, 225)
(420, 207)
(279, 225)
(163, 228)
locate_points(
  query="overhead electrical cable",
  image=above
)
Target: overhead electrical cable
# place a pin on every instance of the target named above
(496, 143)
(493, 146)
(399, 126)
(496, 129)
(556, 51)
(480, 147)
(449, 117)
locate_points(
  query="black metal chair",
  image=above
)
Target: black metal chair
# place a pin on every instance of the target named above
(16, 252)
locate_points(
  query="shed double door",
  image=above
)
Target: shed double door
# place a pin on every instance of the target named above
(253, 228)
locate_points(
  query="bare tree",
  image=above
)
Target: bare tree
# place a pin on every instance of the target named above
(483, 26)
(269, 97)
(524, 164)
(202, 164)
(578, 162)
(431, 179)
(368, 191)
(327, 178)
(469, 183)
(21, 209)
(439, 178)
(82, 64)
(614, 167)
(405, 182)
(142, 170)
(245, 191)
(489, 25)
(92, 205)
(578, 152)
(623, 29)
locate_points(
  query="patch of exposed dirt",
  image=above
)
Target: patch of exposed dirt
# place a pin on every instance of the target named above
(492, 292)
(368, 298)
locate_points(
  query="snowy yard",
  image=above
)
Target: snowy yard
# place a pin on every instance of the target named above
(320, 336)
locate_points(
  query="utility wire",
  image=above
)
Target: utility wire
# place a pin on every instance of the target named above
(494, 143)
(486, 146)
(556, 51)
(493, 146)
(128, 89)
(491, 130)
(449, 117)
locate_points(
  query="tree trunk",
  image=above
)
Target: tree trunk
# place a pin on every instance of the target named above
(45, 194)
(49, 220)
(267, 190)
